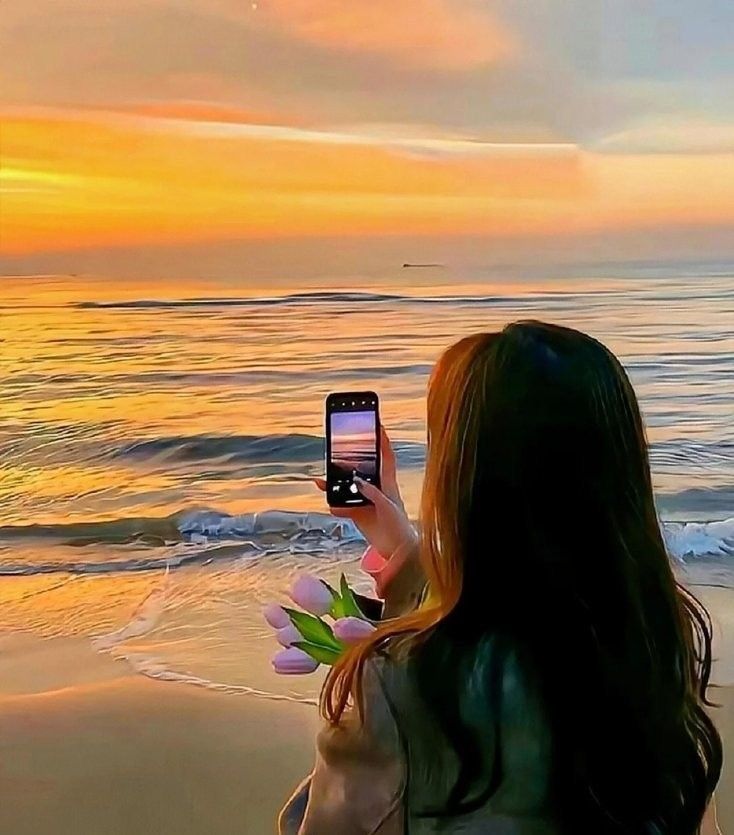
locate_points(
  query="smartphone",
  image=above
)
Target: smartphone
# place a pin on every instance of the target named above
(352, 445)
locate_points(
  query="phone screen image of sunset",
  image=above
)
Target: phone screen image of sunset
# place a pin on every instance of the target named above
(353, 444)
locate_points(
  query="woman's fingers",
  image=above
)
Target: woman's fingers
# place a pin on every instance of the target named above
(387, 452)
(374, 494)
(387, 472)
(388, 469)
(352, 513)
(356, 514)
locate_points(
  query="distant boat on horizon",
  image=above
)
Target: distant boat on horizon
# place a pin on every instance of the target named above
(422, 265)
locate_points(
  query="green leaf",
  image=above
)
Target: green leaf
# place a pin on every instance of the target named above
(349, 602)
(313, 629)
(337, 607)
(323, 655)
(334, 592)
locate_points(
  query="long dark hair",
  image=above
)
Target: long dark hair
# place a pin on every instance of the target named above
(539, 527)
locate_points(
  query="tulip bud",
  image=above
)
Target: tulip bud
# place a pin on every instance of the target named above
(352, 630)
(287, 635)
(276, 616)
(293, 661)
(312, 594)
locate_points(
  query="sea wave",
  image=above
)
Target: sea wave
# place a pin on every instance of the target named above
(687, 540)
(212, 379)
(325, 297)
(189, 537)
(699, 502)
(683, 539)
(245, 448)
(201, 536)
(291, 448)
(341, 298)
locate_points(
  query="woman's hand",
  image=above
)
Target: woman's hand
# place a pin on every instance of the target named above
(384, 523)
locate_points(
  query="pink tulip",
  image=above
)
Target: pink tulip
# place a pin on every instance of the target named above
(293, 662)
(312, 594)
(276, 616)
(288, 635)
(352, 630)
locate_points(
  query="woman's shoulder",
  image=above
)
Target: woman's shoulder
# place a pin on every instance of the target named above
(494, 682)
(491, 692)
(397, 662)
(370, 727)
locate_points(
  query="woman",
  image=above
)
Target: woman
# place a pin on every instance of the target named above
(552, 678)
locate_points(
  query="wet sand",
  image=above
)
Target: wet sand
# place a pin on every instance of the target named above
(126, 755)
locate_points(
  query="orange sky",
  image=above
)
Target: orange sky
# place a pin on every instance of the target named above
(96, 178)
(429, 117)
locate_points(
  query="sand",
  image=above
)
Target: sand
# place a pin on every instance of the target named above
(131, 755)
(724, 718)
(87, 748)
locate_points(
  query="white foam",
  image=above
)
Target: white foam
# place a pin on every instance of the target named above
(687, 540)
(143, 620)
(217, 525)
(156, 668)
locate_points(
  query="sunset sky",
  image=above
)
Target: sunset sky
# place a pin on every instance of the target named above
(131, 125)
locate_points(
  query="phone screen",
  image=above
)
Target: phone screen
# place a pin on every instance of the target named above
(352, 445)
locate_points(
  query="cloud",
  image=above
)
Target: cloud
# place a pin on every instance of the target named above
(87, 179)
(200, 120)
(120, 177)
(427, 142)
(423, 34)
(204, 120)
(202, 112)
(665, 136)
(498, 68)
(118, 52)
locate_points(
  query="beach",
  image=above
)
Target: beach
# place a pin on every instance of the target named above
(123, 754)
(106, 751)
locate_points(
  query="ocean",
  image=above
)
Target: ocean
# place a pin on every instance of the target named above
(157, 439)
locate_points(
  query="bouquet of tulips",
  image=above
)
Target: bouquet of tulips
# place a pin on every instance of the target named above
(306, 637)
